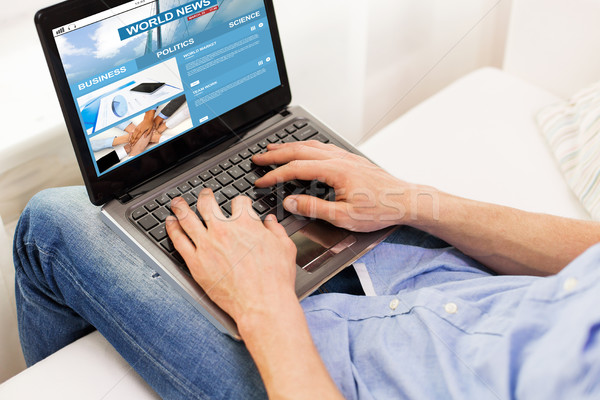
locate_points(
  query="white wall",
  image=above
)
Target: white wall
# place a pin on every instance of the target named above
(359, 67)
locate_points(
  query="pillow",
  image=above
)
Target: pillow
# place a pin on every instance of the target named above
(572, 129)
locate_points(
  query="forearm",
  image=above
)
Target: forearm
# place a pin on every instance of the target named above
(507, 240)
(287, 359)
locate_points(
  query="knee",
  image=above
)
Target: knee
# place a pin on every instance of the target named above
(48, 210)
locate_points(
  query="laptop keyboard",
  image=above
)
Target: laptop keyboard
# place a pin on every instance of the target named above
(232, 177)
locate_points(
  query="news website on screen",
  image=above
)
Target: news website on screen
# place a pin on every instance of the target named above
(148, 71)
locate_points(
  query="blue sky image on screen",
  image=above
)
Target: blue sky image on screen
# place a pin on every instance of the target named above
(97, 48)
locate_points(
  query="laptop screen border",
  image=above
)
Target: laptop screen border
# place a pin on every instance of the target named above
(115, 183)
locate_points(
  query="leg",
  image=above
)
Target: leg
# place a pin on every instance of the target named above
(74, 275)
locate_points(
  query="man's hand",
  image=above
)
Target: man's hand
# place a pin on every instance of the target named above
(367, 197)
(248, 268)
(144, 128)
(244, 266)
(140, 146)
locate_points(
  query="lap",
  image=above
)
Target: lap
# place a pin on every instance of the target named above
(157, 331)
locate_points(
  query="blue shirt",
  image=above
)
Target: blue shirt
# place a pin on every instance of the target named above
(442, 326)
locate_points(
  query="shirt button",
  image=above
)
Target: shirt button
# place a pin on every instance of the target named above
(451, 308)
(570, 284)
(394, 304)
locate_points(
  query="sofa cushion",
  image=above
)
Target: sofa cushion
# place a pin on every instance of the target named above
(478, 138)
(572, 129)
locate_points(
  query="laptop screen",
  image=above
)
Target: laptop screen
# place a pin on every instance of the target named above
(156, 69)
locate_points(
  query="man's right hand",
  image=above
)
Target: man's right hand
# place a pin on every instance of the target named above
(367, 198)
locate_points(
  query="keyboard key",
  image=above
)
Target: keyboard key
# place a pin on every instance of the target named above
(195, 182)
(247, 165)
(245, 154)
(196, 192)
(291, 129)
(184, 188)
(151, 206)
(189, 198)
(253, 194)
(251, 177)
(300, 124)
(264, 191)
(167, 244)
(227, 209)
(148, 222)
(139, 213)
(230, 192)
(289, 139)
(281, 134)
(213, 185)
(159, 233)
(226, 165)
(173, 193)
(236, 172)
(255, 149)
(283, 191)
(262, 171)
(220, 198)
(321, 138)
(282, 214)
(242, 185)
(215, 170)
(305, 133)
(162, 200)
(161, 214)
(235, 159)
(224, 179)
(273, 138)
(271, 200)
(260, 207)
(263, 144)
(205, 176)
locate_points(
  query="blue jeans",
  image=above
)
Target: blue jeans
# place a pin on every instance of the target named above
(74, 275)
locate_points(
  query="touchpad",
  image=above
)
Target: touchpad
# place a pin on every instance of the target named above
(317, 242)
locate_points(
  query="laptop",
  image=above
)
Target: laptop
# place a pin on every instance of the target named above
(210, 76)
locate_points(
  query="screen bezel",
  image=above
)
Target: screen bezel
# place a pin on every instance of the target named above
(119, 181)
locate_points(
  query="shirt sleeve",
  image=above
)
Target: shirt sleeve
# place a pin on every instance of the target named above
(101, 144)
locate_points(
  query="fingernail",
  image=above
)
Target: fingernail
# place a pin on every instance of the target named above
(273, 145)
(291, 204)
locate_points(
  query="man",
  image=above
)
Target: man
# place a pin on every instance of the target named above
(441, 326)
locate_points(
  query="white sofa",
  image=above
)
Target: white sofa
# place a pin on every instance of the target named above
(476, 138)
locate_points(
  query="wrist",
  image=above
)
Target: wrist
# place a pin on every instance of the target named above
(283, 313)
(422, 206)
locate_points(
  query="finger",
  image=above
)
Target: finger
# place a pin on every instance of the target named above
(274, 226)
(313, 207)
(284, 153)
(208, 208)
(182, 243)
(306, 170)
(241, 206)
(188, 220)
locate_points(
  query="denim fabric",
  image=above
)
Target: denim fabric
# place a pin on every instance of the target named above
(73, 275)
(441, 325)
